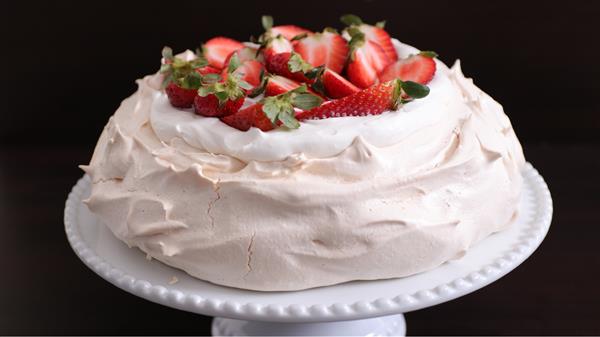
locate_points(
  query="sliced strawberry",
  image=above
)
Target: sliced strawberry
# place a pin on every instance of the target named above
(289, 65)
(218, 48)
(370, 101)
(335, 86)
(418, 68)
(245, 118)
(278, 85)
(289, 31)
(180, 97)
(382, 38)
(374, 33)
(327, 48)
(245, 54)
(365, 64)
(276, 46)
(248, 71)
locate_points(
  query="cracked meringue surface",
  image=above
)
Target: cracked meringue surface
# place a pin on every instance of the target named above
(354, 198)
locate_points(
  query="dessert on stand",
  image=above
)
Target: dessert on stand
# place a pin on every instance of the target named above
(328, 181)
(368, 308)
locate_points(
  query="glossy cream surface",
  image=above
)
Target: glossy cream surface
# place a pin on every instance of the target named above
(352, 198)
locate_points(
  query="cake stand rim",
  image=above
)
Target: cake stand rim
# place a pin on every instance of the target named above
(298, 313)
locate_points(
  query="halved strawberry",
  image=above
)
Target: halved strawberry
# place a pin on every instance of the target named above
(276, 45)
(289, 31)
(418, 68)
(250, 116)
(290, 65)
(327, 48)
(248, 71)
(218, 48)
(278, 85)
(334, 85)
(374, 33)
(367, 60)
(246, 54)
(370, 101)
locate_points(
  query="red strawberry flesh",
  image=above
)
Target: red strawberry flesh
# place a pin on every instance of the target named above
(327, 48)
(382, 38)
(368, 60)
(289, 31)
(336, 86)
(217, 49)
(416, 68)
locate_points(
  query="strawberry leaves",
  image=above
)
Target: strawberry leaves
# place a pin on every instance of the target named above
(280, 108)
(228, 90)
(412, 90)
(181, 72)
(296, 63)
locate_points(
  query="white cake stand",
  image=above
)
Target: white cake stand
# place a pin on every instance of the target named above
(364, 308)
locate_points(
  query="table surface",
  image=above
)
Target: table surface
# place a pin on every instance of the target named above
(45, 289)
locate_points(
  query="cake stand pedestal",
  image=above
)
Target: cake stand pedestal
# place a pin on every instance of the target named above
(365, 308)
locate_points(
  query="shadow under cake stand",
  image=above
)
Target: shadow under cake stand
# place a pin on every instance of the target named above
(356, 308)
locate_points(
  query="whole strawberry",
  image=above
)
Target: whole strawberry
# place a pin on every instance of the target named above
(218, 97)
(182, 78)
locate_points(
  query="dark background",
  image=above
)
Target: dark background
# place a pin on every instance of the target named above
(67, 65)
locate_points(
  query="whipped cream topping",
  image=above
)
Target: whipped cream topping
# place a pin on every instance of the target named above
(353, 198)
(316, 138)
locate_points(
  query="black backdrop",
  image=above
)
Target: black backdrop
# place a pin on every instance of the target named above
(66, 66)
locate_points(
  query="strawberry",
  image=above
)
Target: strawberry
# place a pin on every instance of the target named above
(373, 33)
(209, 106)
(371, 101)
(334, 85)
(249, 71)
(207, 70)
(219, 97)
(274, 111)
(278, 85)
(218, 48)
(248, 117)
(276, 45)
(245, 54)
(289, 31)
(290, 65)
(182, 78)
(180, 97)
(418, 68)
(366, 61)
(327, 48)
